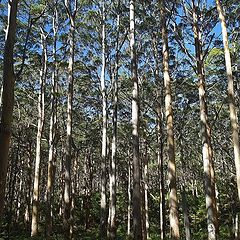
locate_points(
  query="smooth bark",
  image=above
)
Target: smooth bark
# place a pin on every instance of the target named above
(67, 196)
(41, 113)
(159, 120)
(209, 177)
(137, 211)
(129, 200)
(231, 98)
(145, 194)
(52, 131)
(103, 220)
(112, 228)
(173, 201)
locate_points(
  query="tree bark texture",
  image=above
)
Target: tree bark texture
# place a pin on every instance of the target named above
(112, 229)
(7, 98)
(137, 211)
(103, 220)
(52, 131)
(173, 201)
(67, 196)
(159, 120)
(209, 177)
(231, 98)
(41, 110)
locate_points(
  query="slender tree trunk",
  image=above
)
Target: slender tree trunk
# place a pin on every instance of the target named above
(173, 202)
(103, 221)
(160, 142)
(236, 227)
(41, 109)
(29, 184)
(12, 185)
(67, 196)
(183, 192)
(185, 215)
(206, 135)
(67, 164)
(52, 131)
(88, 178)
(129, 200)
(145, 182)
(231, 98)
(137, 212)
(112, 176)
(7, 99)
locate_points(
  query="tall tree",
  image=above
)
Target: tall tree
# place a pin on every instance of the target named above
(41, 114)
(103, 222)
(7, 98)
(173, 202)
(159, 120)
(231, 98)
(209, 177)
(71, 8)
(52, 127)
(137, 213)
(112, 228)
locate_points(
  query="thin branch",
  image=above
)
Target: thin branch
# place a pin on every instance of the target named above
(31, 22)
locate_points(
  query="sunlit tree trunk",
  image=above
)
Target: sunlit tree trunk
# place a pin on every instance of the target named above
(52, 130)
(41, 112)
(145, 194)
(7, 98)
(112, 176)
(137, 211)
(173, 201)
(209, 177)
(71, 8)
(231, 99)
(103, 220)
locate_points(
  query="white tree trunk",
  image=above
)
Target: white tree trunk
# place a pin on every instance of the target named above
(112, 176)
(173, 201)
(231, 97)
(103, 220)
(52, 129)
(137, 211)
(41, 111)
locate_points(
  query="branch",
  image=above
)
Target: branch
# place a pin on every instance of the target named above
(31, 21)
(207, 49)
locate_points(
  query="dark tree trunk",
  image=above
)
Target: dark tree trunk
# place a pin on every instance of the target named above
(7, 99)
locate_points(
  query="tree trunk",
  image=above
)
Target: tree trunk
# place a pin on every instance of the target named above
(129, 200)
(236, 227)
(7, 99)
(88, 178)
(103, 221)
(137, 213)
(67, 196)
(185, 215)
(173, 202)
(41, 109)
(52, 131)
(206, 135)
(67, 163)
(159, 121)
(112, 176)
(231, 98)
(145, 194)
